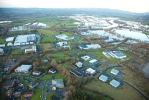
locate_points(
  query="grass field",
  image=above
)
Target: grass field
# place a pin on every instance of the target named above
(46, 46)
(101, 55)
(122, 93)
(48, 35)
(17, 51)
(147, 33)
(37, 94)
(48, 96)
(57, 76)
(2, 41)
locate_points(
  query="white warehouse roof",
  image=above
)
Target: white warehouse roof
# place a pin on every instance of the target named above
(114, 71)
(93, 61)
(9, 39)
(115, 83)
(90, 71)
(23, 68)
(103, 78)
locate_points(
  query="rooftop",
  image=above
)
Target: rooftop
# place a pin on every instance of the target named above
(114, 71)
(115, 83)
(90, 71)
(103, 78)
(93, 61)
(58, 82)
(24, 67)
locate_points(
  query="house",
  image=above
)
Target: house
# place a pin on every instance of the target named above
(17, 94)
(1, 51)
(9, 92)
(36, 73)
(8, 84)
(85, 57)
(33, 84)
(93, 62)
(115, 83)
(90, 71)
(103, 78)
(54, 97)
(52, 70)
(33, 49)
(79, 64)
(58, 83)
(23, 68)
(114, 71)
(28, 93)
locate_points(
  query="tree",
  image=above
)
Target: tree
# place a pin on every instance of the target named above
(53, 63)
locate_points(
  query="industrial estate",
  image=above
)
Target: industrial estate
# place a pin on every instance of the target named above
(59, 57)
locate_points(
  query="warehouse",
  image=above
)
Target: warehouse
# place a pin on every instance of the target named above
(23, 68)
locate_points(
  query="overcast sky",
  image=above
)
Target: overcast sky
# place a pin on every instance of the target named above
(127, 5)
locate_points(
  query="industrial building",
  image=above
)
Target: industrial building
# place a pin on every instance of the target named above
(23, 68)
(90, 71)
(89, 46)
(63, 37)
(33, 49)
(115, 83)
(114, 71)
(25, 39)
(103, 78)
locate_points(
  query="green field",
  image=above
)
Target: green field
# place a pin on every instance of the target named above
(2, 41)
(37, 94)
(48, 35)
(17, 51)
(57, 76)
(147, 33)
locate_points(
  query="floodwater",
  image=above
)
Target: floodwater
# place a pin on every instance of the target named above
(146, 70)
(133, 35)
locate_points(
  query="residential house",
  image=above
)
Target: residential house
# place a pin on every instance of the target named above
(52, 70)
(28, 93)
(8, 84)
(36, 73)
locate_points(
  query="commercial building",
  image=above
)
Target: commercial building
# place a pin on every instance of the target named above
(63, 44)
(33, 49)
(23, 68)
(25, 39)
(89, 46)
(63, 37)
(90, 71)
(58, 83)
(93, 61)
(114, 71)
(9, 39)
(79, 64)
(85, 58)
(114, 53)
(115, 83)
(103, 78)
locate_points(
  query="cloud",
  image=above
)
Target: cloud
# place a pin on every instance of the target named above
(128, 5)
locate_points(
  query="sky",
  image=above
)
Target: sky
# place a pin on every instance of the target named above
(126, 5)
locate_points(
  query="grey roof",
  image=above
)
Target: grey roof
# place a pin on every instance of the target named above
(115, 83)
(103, 78)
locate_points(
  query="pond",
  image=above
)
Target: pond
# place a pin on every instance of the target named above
(133, 35)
